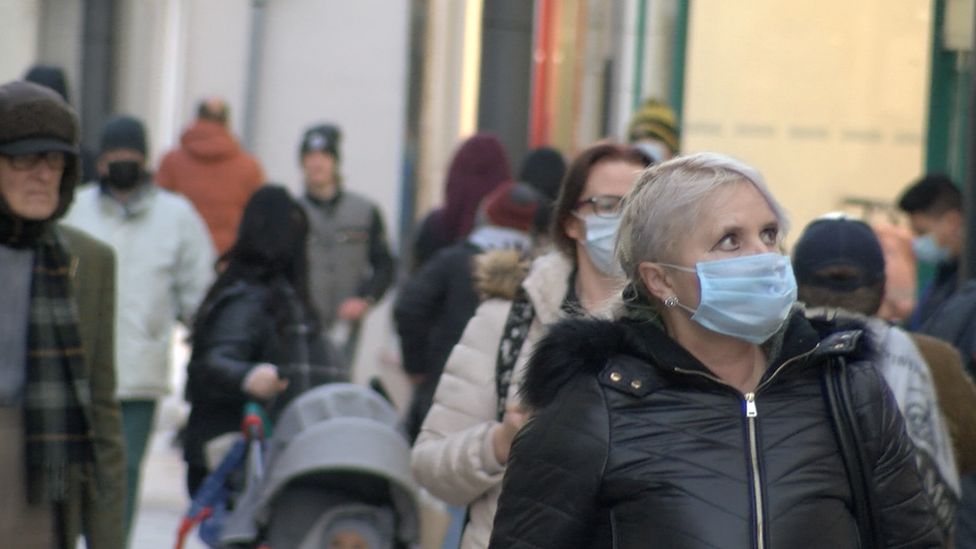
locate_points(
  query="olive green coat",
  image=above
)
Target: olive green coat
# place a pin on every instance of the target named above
(96, 499)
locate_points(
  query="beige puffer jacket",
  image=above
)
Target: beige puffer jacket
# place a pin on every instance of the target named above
(453, 456)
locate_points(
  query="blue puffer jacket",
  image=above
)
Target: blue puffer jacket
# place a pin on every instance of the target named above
(636, 444)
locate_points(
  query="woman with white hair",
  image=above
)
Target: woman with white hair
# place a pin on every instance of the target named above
(712, 412)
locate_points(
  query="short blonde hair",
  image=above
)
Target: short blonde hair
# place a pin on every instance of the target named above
(666, 203)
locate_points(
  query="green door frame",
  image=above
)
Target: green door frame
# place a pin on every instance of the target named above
(950, 84)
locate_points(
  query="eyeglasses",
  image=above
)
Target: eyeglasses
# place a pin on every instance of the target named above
(54, 160)
(604, 205)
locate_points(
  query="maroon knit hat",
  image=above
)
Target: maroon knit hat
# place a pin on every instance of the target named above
(479, 166)
(513, 205)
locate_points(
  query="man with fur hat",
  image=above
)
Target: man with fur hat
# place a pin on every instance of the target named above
(61, 460)
(165, 266)
(349, 262)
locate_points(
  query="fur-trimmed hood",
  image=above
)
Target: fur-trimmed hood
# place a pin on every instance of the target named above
(499, 273)
(584, 346)
(546, 279)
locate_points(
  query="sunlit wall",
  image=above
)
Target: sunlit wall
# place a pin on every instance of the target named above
(827, 97)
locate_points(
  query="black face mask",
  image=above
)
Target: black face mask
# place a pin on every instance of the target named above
(123, 175)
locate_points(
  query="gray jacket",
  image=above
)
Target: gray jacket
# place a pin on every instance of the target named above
(348, 254)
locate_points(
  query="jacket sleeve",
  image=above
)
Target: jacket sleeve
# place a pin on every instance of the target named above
(907, 518)
(418, 302)
(453, 457)
(104, 507)
(550, 494)
(380, 260)
(194, 270)
(956, 397)
(234, 343)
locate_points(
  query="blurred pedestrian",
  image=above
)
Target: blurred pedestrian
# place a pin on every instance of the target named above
(543, 169)
(350, 265)
(61, 459)
(463, 447)
(654, 129)
(839, 263)
(479, 166)
(934, 208)
(435, 304)
(165, 264)
(256, 336)
(53, 77)
(210, 168)
(696, 418)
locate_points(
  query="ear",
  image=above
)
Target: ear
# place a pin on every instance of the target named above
(575, 228)
(656, 279)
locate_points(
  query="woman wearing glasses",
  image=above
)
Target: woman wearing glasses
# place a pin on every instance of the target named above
(463, 445)
(711, 412)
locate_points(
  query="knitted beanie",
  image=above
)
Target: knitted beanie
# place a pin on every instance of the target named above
(513, 205)
(123, 132)
(323, 138)
(655, 120)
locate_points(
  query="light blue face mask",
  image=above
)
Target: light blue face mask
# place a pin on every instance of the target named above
(928, 250)
(746, 297)
(601, 234)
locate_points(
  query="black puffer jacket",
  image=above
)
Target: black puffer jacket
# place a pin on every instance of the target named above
(636, 444)
(237, 333)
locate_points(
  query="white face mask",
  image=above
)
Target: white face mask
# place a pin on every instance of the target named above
(746, 297)
(601, 235)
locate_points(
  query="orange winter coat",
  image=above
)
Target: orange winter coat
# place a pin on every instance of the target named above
(215, 174)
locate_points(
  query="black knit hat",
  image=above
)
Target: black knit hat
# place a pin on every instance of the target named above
(35, 119)
(49, 77)
(838, 242)
(123, 132)
(323, 138)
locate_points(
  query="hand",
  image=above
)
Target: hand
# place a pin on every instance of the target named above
(353, 309)
(504, 433)
(262, 382)
(417, 379)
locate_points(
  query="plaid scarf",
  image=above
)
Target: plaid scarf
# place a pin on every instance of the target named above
(57, 394)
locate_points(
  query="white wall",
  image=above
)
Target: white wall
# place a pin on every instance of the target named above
(18, 37)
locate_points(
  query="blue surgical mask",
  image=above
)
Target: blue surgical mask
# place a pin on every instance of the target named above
(928, 250)
(746, 297)
(601, 234)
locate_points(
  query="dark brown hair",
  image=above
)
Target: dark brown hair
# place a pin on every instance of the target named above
(573, 184)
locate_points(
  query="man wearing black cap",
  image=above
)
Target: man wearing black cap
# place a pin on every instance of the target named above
(349, 260)
(61, 459)
(165, 265)
(838, 263)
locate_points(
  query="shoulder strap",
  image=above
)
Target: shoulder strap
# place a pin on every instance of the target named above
(839, 404)
(517, 325)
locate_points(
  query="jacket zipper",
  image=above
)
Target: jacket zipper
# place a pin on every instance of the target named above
(751, 413)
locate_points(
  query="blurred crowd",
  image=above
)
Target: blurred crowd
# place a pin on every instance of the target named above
(610, 349)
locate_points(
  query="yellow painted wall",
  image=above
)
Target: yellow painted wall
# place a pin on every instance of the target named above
(826, 97)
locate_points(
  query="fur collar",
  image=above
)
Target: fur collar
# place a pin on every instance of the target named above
(584, 346)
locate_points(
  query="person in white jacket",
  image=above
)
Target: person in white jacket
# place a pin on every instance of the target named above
(463, 446)
(165, 263)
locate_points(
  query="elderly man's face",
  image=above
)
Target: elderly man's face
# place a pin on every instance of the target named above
(30, 184)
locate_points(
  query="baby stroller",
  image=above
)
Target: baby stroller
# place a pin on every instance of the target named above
(336, 473)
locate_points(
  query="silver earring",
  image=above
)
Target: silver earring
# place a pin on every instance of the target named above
(671, 302)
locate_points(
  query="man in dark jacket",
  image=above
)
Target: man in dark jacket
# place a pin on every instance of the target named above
(934, 208)
(349, 262)
(59, 420)
(838, 262)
